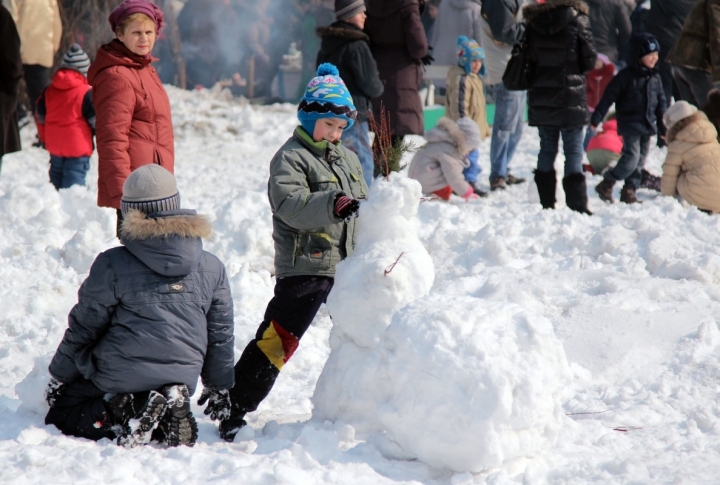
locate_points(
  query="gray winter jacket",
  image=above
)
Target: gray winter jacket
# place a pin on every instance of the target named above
(440, 162)
(305, 179)
(155, 311)
(456, 17)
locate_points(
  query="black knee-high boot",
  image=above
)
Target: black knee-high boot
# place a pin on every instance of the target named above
(576, 193)
(546, 183)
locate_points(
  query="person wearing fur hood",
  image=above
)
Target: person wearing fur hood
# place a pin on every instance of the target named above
(152, 316)
(692, 164)
(439, 164)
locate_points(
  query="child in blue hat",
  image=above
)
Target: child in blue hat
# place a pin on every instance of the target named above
(314, 187)
(465, 98)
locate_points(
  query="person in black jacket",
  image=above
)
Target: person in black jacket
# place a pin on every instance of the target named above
(345, 45)
(153, 315)
(665, 21)
(637, 92)
(11, 72)
(610, 22)
(557, 96)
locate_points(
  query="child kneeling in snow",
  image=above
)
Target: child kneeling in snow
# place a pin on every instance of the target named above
(439, 164)
(152, 316)
(314, 187)
(692, 165)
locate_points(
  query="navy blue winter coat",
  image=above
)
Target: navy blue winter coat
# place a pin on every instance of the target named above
(155, 311)
(638, 96)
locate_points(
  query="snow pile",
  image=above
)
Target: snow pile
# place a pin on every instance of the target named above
(464, 386)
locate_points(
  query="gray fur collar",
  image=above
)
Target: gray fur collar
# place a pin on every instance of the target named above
(452, 129)
(335, 30)
(684, 123)
(534, 9)
(138, 226)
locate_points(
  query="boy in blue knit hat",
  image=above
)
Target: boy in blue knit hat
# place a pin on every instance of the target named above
(465, 98)
(314, 187)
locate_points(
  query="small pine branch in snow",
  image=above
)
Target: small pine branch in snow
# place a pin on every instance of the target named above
(386, 153)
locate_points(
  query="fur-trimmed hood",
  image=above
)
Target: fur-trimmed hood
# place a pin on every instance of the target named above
(169, 243)
(342, 30)
(695, 128)
(554, 15)
(448, 131)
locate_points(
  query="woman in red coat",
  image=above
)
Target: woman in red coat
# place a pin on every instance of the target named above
(133, 127)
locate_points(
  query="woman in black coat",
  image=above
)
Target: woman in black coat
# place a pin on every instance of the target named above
(11, 72)
(561, 45)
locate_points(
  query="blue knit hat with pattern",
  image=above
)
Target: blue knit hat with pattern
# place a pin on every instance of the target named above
(326, 96)
(468, 51)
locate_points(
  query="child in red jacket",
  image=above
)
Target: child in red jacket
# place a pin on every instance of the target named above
(66, 120)
(595, 83)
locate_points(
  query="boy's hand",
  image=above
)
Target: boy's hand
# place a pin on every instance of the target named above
(218, 403)
(661, 141)
(346, 208)
(53, 391)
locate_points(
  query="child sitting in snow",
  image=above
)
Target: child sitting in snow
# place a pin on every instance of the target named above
(465, 98)
(66, 120)
(314, 187)
(692, 165)
(152, 316)
(439, 164)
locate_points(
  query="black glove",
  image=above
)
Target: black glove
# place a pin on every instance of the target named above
(53, 391)
(427, 59)
(218, 403)
(661, 142)
(346, 208)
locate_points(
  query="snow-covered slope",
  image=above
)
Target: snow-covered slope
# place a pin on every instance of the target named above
(631, 293)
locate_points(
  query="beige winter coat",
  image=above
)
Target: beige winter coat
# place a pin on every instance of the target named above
(692, 165)
(442, 160)
(465, 97)
(40, 29)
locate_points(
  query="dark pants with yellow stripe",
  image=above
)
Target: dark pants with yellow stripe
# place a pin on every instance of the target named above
(288, 315)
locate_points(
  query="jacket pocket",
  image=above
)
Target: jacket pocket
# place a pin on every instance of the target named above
(313, 252)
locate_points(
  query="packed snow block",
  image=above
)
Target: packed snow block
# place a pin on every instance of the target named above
(464, 384)
(31, 390)
(389, 268)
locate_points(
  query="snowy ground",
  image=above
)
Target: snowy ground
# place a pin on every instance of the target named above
(631, 292)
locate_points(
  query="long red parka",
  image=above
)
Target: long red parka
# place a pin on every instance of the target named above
(134, 126)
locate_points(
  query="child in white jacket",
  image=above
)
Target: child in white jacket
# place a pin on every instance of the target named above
(439, 165)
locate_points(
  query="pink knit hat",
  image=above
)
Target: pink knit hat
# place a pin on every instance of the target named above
(130, 7)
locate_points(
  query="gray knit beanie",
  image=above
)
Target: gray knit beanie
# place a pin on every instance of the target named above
(677, 112)
(345, 9)
(471, 131)
(76, 59)
(150, 189)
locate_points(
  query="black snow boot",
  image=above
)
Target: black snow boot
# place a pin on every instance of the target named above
(138, 430)
(178, 425)
(576, 193)
(604, 190)
(546, 183)
(650, 181)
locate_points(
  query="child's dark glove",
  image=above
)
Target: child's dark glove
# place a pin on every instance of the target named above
(53, 391)
(346, 208)
(661, 141)
(218, 403)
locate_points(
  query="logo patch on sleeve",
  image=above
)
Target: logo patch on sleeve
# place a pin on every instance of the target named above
(177, 288)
